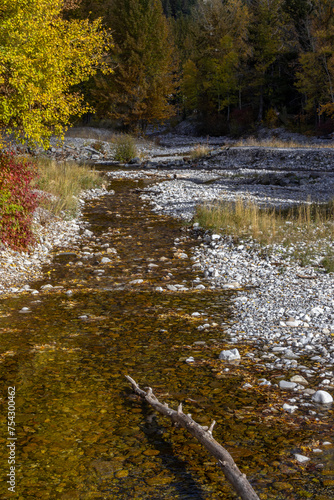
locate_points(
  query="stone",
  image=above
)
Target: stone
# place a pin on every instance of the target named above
(309, 392)
(287, 385)
(301, 458)
(190, 360)
(233, 285)
(229, 355)
(290, 408)
(322, 397)
(105, 260)
(25, 310)
(299, 379)
(316, 311)
(46, 287)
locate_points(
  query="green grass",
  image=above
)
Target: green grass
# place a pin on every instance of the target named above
(125, 148)
(304, 230)
(64, 181)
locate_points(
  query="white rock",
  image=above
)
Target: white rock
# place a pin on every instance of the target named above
(287, 385)
(25, 310)
(105, 260)
(229, 355)
(289, 408)
(322, 397)
(299, 379)
(190, 360)
(316, 311)
(231, 286)
(301, 458)
(46, 287)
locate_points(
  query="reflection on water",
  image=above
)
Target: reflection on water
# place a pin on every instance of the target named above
(81, 433)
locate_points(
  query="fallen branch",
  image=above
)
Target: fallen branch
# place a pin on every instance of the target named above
(204, 435)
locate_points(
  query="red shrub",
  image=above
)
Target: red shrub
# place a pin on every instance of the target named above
(18, 201)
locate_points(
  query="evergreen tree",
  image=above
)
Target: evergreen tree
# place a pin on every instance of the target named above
(139, 90)
(219, 50)
(177, 8)
(315, 77)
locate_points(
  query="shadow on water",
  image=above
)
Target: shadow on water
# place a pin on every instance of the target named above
(80, 433)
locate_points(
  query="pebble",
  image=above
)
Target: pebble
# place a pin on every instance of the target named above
(322, 397)
(289, 408)
(229, 355)
(301, 458)
(287, 385)
(25, 310)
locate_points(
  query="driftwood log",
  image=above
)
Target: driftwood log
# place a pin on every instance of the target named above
(238, 480)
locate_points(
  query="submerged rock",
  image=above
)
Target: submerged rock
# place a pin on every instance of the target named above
(230, 355)
(322, 397)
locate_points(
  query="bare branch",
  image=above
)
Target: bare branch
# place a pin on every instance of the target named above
(238, 480)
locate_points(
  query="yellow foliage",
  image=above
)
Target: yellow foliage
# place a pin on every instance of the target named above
(42, 56)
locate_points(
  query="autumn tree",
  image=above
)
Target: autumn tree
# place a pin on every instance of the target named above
(42, 57)
(140, 89)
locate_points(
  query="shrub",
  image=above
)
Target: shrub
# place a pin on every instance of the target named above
(18, 201)
(199, 151)
(125, 148)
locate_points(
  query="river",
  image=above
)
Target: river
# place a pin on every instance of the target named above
(80, 432)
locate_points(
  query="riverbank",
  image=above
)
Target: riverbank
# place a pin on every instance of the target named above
(19, 269)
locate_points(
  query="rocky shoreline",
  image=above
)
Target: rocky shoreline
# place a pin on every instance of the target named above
(19, 269)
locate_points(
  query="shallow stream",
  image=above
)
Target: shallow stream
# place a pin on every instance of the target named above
(81, 433)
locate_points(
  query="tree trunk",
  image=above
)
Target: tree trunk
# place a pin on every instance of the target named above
(204, 435)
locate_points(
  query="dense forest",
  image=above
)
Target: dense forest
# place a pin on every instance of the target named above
(230, 65)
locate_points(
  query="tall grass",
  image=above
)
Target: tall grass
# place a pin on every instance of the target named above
(305, 229)
(63, 182)
(199, 151)
(279, 143)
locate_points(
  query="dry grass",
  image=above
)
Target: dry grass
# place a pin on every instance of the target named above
(199, 151)
(64, 181)
(279, 143)
(302, 229)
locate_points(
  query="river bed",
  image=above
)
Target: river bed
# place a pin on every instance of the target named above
(81, 433)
